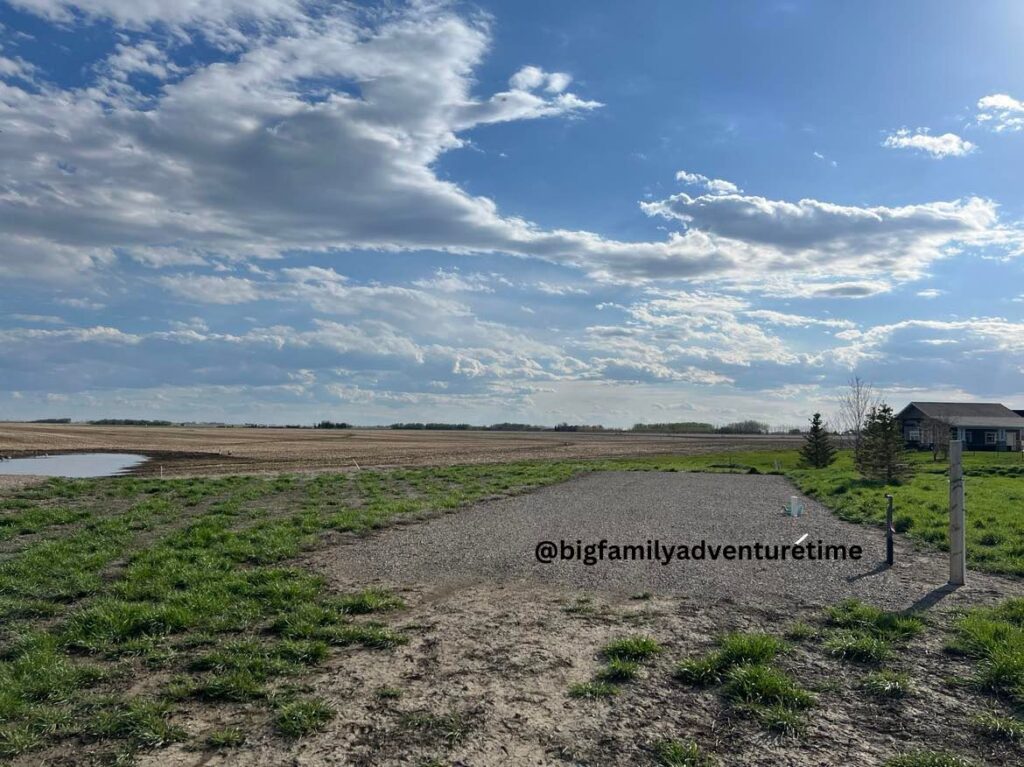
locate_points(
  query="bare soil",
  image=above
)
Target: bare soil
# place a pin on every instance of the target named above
(191, 451)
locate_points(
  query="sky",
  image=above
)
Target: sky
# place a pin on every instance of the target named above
(280, 211)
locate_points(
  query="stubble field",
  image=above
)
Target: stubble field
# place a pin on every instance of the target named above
(189, 451)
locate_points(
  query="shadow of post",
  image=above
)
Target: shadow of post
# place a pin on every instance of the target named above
(880, 568)
(932, 598)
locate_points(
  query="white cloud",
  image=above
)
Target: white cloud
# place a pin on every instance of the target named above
(712, 185)
(453, 281)
(797, 320)
(824, 239)
(254, 156)
(823, 158)
(946, 145)
(212, 290)
(930, 293)
(1000, 112)
(530, 78)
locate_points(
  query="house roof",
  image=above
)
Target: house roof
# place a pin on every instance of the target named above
(979, 414)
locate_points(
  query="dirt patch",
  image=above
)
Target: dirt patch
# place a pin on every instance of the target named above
(16, 482)
(484, 681)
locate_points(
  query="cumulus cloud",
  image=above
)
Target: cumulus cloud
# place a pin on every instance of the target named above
(963, 342)
(530, 78)
(945, 145)
(820, 238)
(321, 132)
(1000, 112)
(245, 157)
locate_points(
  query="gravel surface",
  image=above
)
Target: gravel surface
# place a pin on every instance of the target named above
(496, 541)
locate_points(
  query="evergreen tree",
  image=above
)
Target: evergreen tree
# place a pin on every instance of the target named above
(882, 456)
(818, 451)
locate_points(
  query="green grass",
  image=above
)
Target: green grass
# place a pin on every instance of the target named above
(302, 717)
(999, 727)
(866, 634)
(618, 671)
(593, 690)
(195, 580)
(228, 737)
(858, 616)
(993, 637)
(765, 686)
(741, 665)
(734, 649)
(856, 646)
(886, 684)
(800, 631)
(633, 648)
(675, 753)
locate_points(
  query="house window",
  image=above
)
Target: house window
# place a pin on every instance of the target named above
(914, 435)
(990, 438)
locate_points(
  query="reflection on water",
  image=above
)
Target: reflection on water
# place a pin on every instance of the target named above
(73, 465)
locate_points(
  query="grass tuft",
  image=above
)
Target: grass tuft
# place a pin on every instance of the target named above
(856, 646)
(229, 737)
(675, 753)
(592, 690)
(634, 648)
(887, 684)
(999, 727)
(302, 717)
(765, 686)
(618, 671)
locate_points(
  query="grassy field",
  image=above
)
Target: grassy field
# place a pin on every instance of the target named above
(187, 584)
(122, 599)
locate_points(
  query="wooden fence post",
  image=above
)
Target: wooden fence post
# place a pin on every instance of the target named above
(957, 538)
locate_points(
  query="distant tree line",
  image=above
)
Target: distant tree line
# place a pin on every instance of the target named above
(128, 422)
(432, 426)
(697, 427)
(51, 420)
(682, 427)
(581, 427)
(333, 425)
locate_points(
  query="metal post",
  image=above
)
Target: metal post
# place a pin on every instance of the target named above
(957, 540)
(888, 530)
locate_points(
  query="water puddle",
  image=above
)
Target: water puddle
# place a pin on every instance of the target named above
(75, 465)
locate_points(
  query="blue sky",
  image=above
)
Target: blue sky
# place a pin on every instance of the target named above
(283, 211)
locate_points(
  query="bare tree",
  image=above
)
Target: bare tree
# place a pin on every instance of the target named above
(936, 433)
(854, 405)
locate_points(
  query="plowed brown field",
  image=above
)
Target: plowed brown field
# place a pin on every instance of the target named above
(181, 450)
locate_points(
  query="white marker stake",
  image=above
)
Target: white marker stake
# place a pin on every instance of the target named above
(957, 542)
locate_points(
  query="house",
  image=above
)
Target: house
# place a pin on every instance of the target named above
(980, 425)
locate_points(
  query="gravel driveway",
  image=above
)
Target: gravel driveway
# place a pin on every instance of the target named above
(496, 541)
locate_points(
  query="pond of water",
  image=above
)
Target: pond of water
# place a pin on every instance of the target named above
(73, 464)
